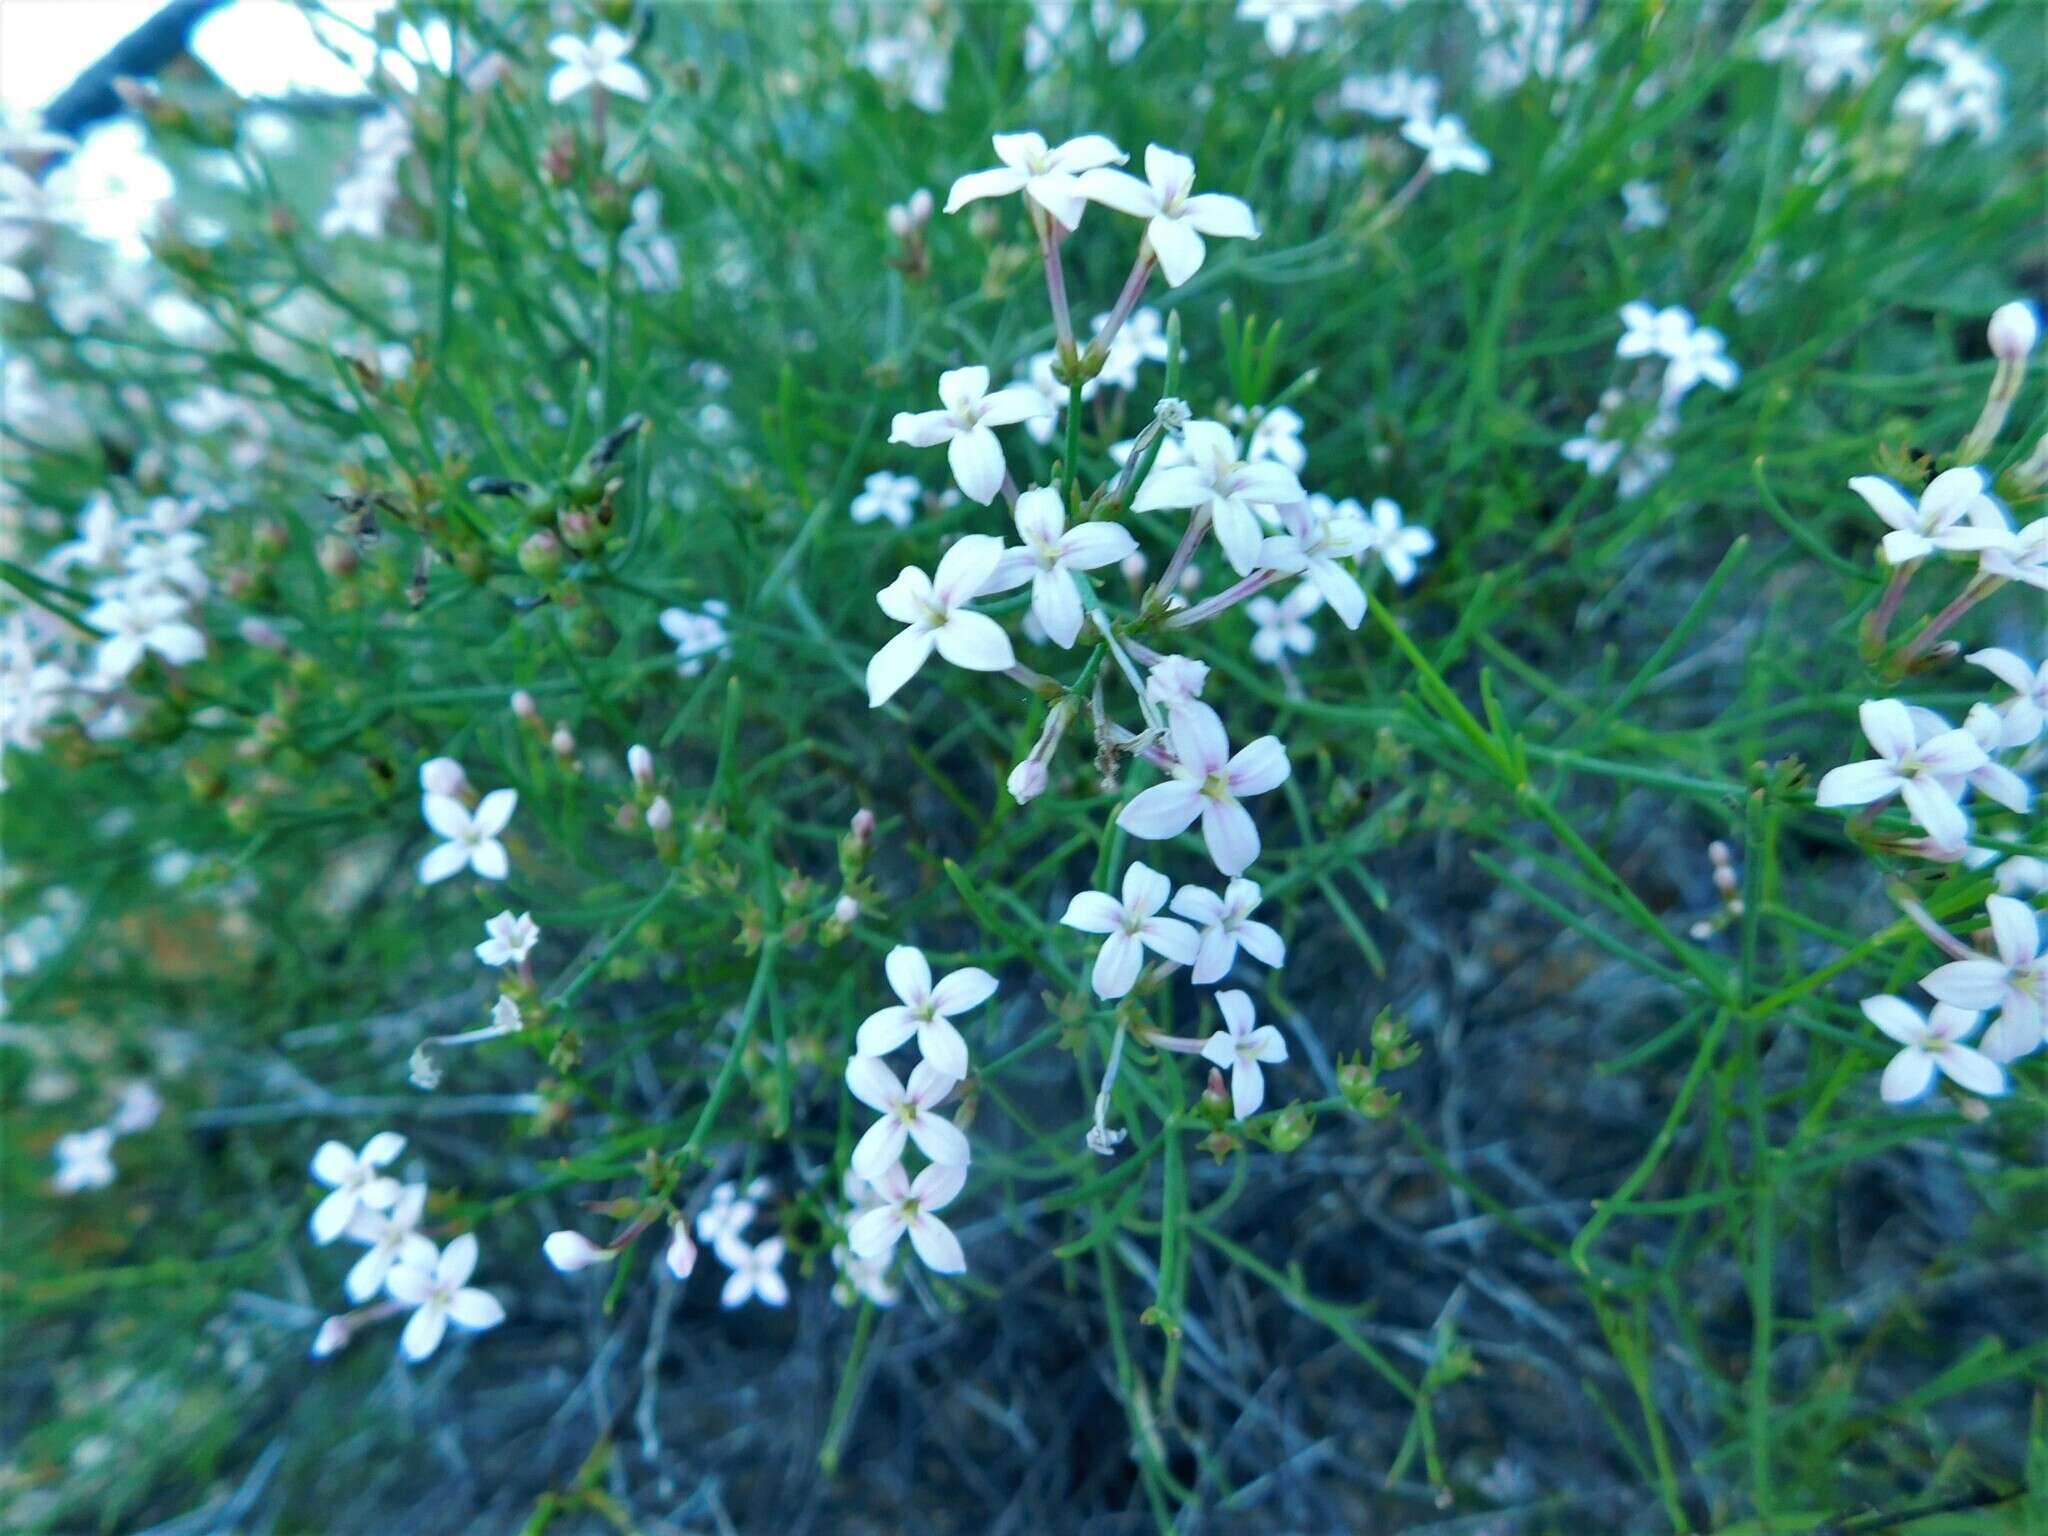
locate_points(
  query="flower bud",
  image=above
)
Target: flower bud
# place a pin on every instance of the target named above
(581, 531)
(1357, 1081)
(661, 816)
(571, 1251)
(1291, 1128)
(863, 825)
(334, 1335)
(845, 911)
(540, 555)
(563, 743)
(2014, 329)
(1134, 567)
(640, 763)
(1173, 413)
(1028, 780)
(443, 776)
(525, 709)
(682, 1253)
(263, 635)
(338, 557)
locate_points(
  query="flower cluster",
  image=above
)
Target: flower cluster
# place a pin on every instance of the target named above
(1684, 355)
(85, 1159)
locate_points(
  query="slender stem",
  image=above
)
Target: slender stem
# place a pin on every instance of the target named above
(1979, 588)
(1190, 540)
(1943, 940)
(1134, 288)
(1225, 600)
(1055, 283)
(2005, 388)
(1130, 671)
(1888, 605)
(1400, 200)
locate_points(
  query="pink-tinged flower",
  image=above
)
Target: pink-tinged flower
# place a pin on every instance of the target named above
(571, 1251)
(1930, 1044)
(934, 609)
(907, 1113)
(511, 939)
(601, 62)
(1244, 1049)
(756, 1272)
(1399, 545)
(1986, 727)
(925, 1010)
(1215, 481)
(1315, 545)
(1208, 782)
(440, 1294)
(1942, 520)
(1049, 177)
(2016, 983)
(1050, 555)
(472, 836)
(1226, 924)
(681, 1257)
(967, 425)
(356, 1182)
(2025, 713)
(393, 1237)
(2021, 556)
(1915, 771)
(1176, 216)
(1131, 927)
(1278, 628)
(907, 1205)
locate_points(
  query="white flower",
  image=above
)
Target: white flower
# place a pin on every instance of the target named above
(1941, 521)
(1651, 332)
(1447, 145)
(699, 636)
(2022, 875)
(1645, 205)
(356, 1182)
(907, 1205)
(2027, 711)
(394, 1238)
(1176, 220)
(1278, 628)
(1175, 680)
(1243, 1049)
(1314, 546)
(138, 622)
(1227, 924)
(443, 776)
(1131, 926)
(103, 537)
(1141, 339)
(1392, 97)
(925, 1010)
(84, 1160)
(756, 1273)
(1701, 359)
(2016, 983)
(1050, 556)
(906, 1113)
(1214, 481)
(1931, 1043)
(137, 1109)
(1398, 545)
(571, 1251)
(511, 939)
(2021, 556)
(472, 837)
(1207, 782)
(440, 1295)
(966, 426)
(724, 1215)
(1041, 379)
(1984, 725)
(1912, 770)
(1049, 177)
(933, 609)
(893, 497)
(1291, 23)
(600, 61)
(167, 562)
(1276, 437)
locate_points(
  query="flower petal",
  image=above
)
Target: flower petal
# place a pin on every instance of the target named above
(888, 670)
(910, 974)
(975, 641)
(1164, 810)
(1907, 1077)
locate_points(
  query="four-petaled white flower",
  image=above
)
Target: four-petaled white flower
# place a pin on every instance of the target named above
(1243, 1048)
(1208, 782)
(1314, 546)
(600, 61)
(1175, 219)
(1214, 481)
(756, 1272)
(725, 1214)
(1912, 770)
(472, 836)
(1227, 924)
(889, 496)
(967, 425)
(1131, 927)
(699, 636)
(1399, 545)
(440, 1294)
(1277, 436)
(85, 1160)
(1940, 521)
(511, 939)
(394, 1238)
(933, 609)
(925, 1010)
(1932, 1043)
(1446, 144)
(907, 1113)
(355, 1181)
(1651, 332)
(1050, 555)
(2016, 983)
(2026, 712)
(907, 1205)
(137, 622)
(1278, 628)
(1702, 358)
(2021, 556)
(1050, 177)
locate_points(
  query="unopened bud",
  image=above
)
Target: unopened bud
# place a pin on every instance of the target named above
(523, 706)
(540, 555)
(845, 911)
(1291, 1128)
(2014, 329)
(661, 816)
(682, 1253)
(863, 825)
(443, 776)
(563, 743)
(1173, 413)
(338, 557)
(640, 763)
(1027, 781)
(263, 635)
(571, 1251)
(1134, 567)
(333, 1336)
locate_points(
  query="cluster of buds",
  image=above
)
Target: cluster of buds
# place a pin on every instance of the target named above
(907, 222)
(1358, 1078)
(1727, 886)
(857, 893)
(575, 516)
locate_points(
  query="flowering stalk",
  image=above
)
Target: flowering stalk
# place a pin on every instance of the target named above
(1224, 601)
